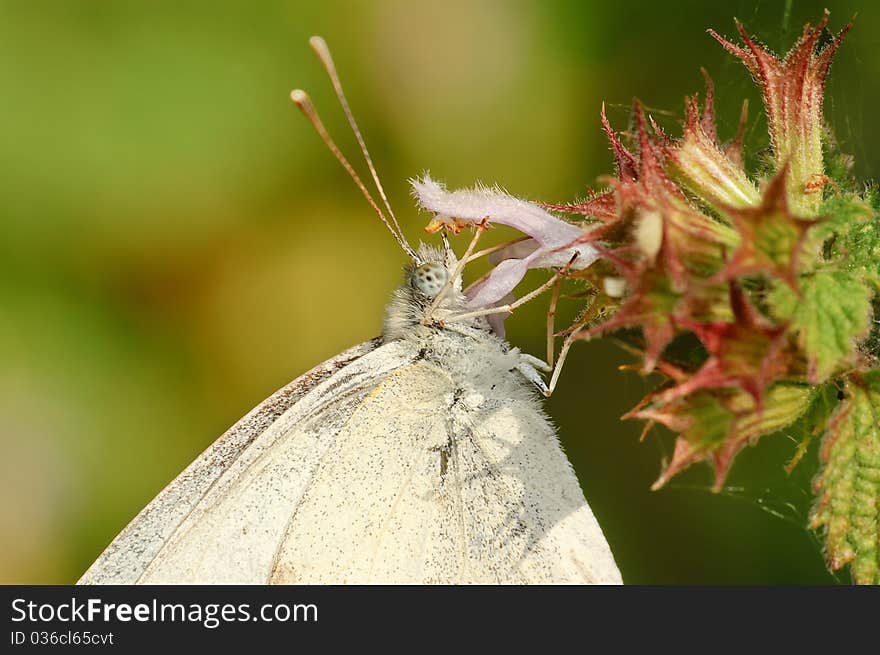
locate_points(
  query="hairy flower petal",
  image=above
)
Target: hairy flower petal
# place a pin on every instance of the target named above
(556, 241)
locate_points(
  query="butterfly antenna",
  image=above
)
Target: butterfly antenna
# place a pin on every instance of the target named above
(304, 102)
(319, 46)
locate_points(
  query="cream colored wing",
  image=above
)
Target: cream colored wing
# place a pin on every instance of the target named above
(455, 486)
(387, 471)
(126, 558)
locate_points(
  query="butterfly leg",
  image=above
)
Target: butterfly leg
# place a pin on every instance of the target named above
(508, 308)
(551, 320)
(537, 362)
(572, 333)
(530, 372)
(557, 369)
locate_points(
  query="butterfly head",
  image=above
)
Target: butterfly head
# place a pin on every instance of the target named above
(428, 290)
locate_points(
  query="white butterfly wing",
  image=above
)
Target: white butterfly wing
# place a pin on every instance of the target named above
(127, 557)
(448, 489)
(384, 471)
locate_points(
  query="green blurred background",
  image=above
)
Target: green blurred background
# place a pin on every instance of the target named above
(176, 242)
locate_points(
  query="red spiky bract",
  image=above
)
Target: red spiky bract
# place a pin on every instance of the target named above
(719, 233)
(793, 87)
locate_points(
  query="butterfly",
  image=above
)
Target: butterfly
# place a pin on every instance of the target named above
(421, 456)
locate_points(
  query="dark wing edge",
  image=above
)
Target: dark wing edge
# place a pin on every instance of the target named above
(132, 550)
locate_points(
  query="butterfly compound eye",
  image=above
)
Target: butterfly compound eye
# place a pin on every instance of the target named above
(430, 278)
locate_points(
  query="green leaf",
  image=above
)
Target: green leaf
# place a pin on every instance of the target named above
(839, 166)
(848, 488)
(831, 314)
(814, 420)
(859, 247)
(840, 213)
